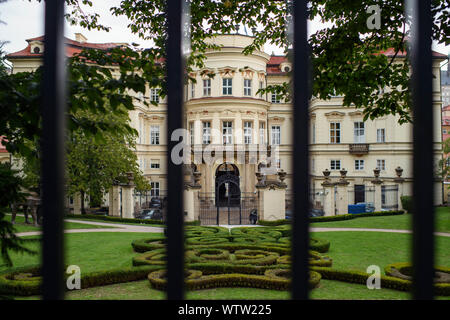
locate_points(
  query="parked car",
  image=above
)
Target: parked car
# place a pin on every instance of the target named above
(253, 216)
(146, 214)
(312, 213)
(369, 206)
(155, 202)
(103, 211)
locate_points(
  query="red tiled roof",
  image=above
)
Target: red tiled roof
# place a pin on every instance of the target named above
(447, 108)
(2, 147)
(72, 47)
(273, 65)
(391, 52)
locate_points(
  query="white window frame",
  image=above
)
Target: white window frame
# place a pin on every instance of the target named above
(154, 95)
(335, 132)
(154, 135)
(313, 133)
(359, 164)
(381, 135)
(359, 133)
(155, 188)
(262, 132)
(335, 165)
(227, 86)
(381, 164)
(275, 98)
(227, 132)
(206, 132)
(154, 164)
(247, 87)
(206, 87)
(192, 90)
(192, 132)
(248, 132)
(276, 135)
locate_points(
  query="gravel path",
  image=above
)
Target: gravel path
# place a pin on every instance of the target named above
(116, 227)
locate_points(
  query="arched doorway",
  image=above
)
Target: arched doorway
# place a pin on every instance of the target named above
(227, 190)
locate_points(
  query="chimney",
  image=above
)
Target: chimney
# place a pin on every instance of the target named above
(80, 38)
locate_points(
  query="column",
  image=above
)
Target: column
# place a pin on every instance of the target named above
(191, 189)
(399, 182)
(342, 194)
(114, 201)
(328, 187)
(377, 184)
(77, 203)
(272, 198)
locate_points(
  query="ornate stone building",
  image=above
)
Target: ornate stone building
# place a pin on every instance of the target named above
(225, 113)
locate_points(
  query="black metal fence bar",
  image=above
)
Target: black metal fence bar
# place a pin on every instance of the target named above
(52, 145)
(175, 245)
(300, 164)
(423, 217)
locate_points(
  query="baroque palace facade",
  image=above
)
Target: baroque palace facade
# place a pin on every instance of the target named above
(225, 112)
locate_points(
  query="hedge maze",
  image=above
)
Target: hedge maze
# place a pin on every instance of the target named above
(243, 257)
(257, 257)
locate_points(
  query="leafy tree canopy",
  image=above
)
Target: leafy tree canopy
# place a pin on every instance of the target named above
(345, 57)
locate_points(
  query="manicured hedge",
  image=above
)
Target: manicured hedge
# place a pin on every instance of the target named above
(124, 220)
(274, 280)
(403, 270)
(353, 276)
(143, 245)
(30, 279)
(339, 217)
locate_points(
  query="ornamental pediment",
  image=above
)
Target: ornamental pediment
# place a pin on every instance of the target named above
(227, 112)
(276, 118)
(335, 114)
(247, 72)
(207, 73)
(154, 117)
(261, 76)
(227, 72)
(355, 113)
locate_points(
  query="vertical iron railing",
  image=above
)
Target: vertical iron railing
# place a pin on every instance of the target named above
(300, 164)
(52, 146)
(53, 111)
(175, 71)
(423, 212)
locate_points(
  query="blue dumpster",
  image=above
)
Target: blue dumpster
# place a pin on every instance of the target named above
(356, 208)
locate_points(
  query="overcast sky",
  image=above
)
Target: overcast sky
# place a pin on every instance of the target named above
(24, 20)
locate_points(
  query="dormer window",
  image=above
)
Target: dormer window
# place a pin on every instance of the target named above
(36, 50)
(286, 67)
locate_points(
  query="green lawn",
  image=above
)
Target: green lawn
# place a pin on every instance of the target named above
(117, 222)
(22, 227)
(401, 222)
(141, 290)
(90, 251)
(349, 250)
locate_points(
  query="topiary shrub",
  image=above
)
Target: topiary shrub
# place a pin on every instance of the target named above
(407, 203)
(27, 281)
(277, 279)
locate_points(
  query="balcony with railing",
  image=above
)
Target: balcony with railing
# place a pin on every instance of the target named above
(358, 148)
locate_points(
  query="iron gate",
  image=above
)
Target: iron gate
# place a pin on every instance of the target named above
(389, 197)
(235, 212)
